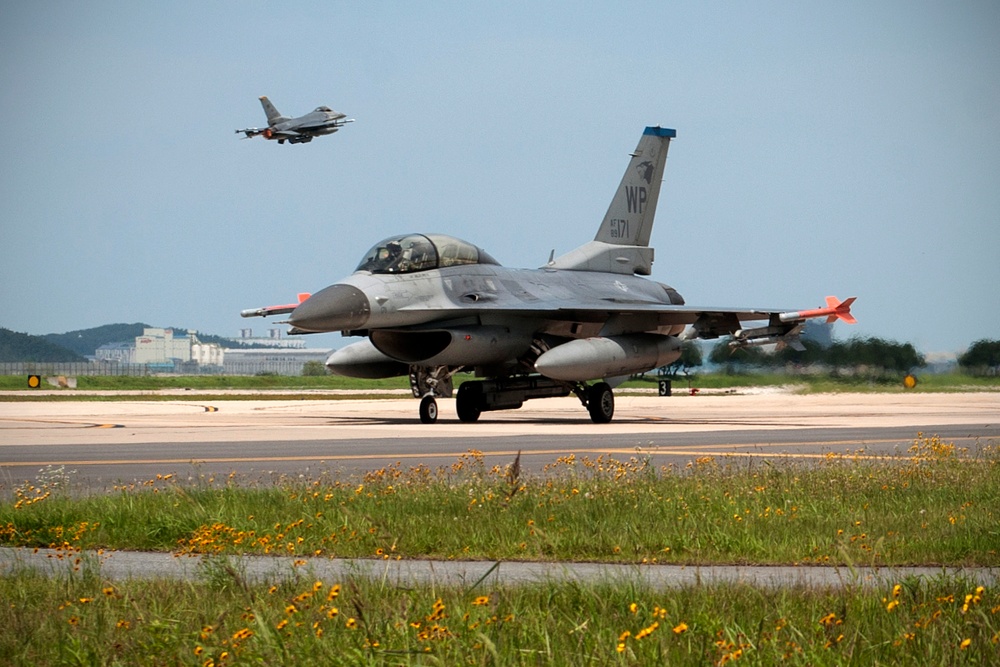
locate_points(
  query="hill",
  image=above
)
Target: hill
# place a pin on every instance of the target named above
(76, 345)
(85, 341)
(16, 346)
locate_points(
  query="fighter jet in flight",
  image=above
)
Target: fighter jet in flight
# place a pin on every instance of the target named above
(430, 306)
(301, 130)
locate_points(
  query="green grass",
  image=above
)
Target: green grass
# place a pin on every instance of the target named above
(937, 506)
(825, 383)
(223, 619)
(208, 382)
(289, 387)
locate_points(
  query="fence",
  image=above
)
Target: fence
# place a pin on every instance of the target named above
(71, 368)
(83, 369)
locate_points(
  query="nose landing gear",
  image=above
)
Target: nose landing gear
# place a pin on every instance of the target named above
(427, 383)
(428, 409)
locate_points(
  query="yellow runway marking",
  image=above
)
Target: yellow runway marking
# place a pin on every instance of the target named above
(49, 422)
(630, 451)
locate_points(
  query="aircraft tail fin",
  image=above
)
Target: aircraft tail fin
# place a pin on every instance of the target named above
(273, 115)
(629, 219)
(622, 242)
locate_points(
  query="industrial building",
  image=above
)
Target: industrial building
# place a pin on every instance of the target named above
(159, 350)
(277, 361)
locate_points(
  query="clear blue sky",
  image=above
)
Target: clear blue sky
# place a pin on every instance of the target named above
(848, 148)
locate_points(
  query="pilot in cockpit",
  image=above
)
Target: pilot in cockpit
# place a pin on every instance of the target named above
(393, 257)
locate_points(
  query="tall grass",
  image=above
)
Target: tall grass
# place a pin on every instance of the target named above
(221, 619)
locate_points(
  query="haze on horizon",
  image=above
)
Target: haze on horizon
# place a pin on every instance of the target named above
(842, 148)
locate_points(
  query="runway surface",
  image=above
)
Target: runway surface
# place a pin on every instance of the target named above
(106, 443)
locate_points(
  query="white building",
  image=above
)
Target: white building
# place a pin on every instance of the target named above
(158, 346)
(207, 354)
(274, 338)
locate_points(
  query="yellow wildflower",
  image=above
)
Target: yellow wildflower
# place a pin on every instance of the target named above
(645, 632)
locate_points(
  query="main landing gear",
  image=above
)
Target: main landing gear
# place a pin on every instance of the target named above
(600, 402)
(478, 396)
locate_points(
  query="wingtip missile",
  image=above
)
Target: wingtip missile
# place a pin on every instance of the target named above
(835, 310)
(275, 310)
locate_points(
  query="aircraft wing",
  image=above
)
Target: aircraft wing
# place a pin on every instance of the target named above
(621, 315)
(783, 326)
(667, 313)
(325, 125)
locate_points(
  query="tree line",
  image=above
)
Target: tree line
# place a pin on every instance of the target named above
(982, 358)
(872, 357)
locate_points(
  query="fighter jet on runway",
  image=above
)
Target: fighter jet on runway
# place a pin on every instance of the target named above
(431, 305)
(301, 130)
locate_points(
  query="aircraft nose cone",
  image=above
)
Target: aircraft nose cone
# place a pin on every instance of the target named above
(333, 308)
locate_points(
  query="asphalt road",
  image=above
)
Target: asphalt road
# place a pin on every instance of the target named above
(101, 444)
(125, 565)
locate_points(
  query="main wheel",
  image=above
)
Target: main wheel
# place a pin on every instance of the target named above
(601, 403)
(428, 409)
(468, 402)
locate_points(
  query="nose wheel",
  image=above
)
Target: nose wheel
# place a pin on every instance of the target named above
(428, 409)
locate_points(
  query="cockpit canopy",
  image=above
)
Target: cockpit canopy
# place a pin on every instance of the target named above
(419, 252)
